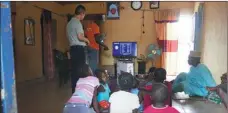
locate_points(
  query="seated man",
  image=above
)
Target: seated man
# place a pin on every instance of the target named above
(196, 81)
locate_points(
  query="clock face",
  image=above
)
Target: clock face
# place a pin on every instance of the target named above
(136, 5)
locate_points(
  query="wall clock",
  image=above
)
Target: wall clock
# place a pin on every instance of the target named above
(136, 5)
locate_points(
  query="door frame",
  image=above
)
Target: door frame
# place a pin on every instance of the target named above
(8, 87)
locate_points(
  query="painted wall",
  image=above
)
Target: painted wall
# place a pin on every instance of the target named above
(91, 8)
(29, 58)
(128, 27)
(215, 37)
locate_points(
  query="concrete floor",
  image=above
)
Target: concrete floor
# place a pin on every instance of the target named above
(46, 97)
(41, 97)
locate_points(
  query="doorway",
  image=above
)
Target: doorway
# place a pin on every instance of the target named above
(48, 31)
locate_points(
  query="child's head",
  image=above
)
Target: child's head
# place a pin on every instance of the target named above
(85, 71)
(151, 70)
(224, 78)
(101, 75)
(160, 75)
(151, 73)
(125, 81)
(159, 93)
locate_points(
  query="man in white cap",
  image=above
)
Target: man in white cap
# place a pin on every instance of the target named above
(196, 81)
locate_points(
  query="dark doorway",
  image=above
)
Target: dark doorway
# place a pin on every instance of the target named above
(54, 33)
(48, 42)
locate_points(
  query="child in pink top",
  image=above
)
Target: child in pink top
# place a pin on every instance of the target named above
(85, 93)
(159, 95)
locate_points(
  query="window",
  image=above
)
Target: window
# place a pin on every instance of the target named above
(176, 62)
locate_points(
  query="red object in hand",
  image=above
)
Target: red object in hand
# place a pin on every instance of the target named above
(104, 104)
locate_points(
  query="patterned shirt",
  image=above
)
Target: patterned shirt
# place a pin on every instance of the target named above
(84, 90)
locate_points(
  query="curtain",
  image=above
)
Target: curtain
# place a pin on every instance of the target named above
(48, 59)
(165, 21)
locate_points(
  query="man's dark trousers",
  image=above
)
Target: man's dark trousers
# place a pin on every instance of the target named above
(78, 58)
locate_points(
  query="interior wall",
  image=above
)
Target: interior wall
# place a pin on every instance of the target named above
(128, 28)
(215, 38)
(91, 8)
(29, 58)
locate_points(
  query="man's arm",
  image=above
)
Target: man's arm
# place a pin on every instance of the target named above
(81, 37)
(80, 33)
(99, 39)
(98, 36)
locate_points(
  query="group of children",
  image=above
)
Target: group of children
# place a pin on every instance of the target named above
(92, 93)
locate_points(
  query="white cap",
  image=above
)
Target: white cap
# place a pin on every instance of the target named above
(195, 54)
(112, 6)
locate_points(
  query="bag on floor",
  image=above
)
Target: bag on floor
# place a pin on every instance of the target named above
(214, 97)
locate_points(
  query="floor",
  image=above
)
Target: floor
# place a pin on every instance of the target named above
(47, 97)
(192, 106)
(42, 97)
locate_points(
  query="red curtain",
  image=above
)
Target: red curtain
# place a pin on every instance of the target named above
(48, 59)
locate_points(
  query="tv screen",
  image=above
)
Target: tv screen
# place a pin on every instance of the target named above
(124, 49)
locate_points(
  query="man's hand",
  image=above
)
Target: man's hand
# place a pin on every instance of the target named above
(87, 41)
(106, 48)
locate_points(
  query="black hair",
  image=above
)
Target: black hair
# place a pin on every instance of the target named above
(84, 71)
(126, 81)
(98, 73)
(151, 73)
(152, 69)
(160, 75)
(159, 93)
(80, 9)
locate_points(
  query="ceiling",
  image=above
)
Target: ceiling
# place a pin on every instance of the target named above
(71, 2)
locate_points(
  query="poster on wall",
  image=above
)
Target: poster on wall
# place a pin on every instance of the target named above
(29, 31)
(113, 11)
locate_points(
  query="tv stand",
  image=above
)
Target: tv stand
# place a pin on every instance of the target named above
(124, 64)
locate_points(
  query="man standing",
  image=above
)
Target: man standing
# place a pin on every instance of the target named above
(92, 32)
(196, 81)
(78, 42)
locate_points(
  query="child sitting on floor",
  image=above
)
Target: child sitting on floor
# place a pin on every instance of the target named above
(135, 91)
(159, 77)
(103, 90)
(159, 95)
(123, 101)
(85, 93)
(150, 77)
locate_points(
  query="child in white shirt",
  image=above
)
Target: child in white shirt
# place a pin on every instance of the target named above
(124, 101)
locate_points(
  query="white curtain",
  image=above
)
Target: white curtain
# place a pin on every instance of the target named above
(177, 62)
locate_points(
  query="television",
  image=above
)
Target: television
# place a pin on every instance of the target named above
(124, 49)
